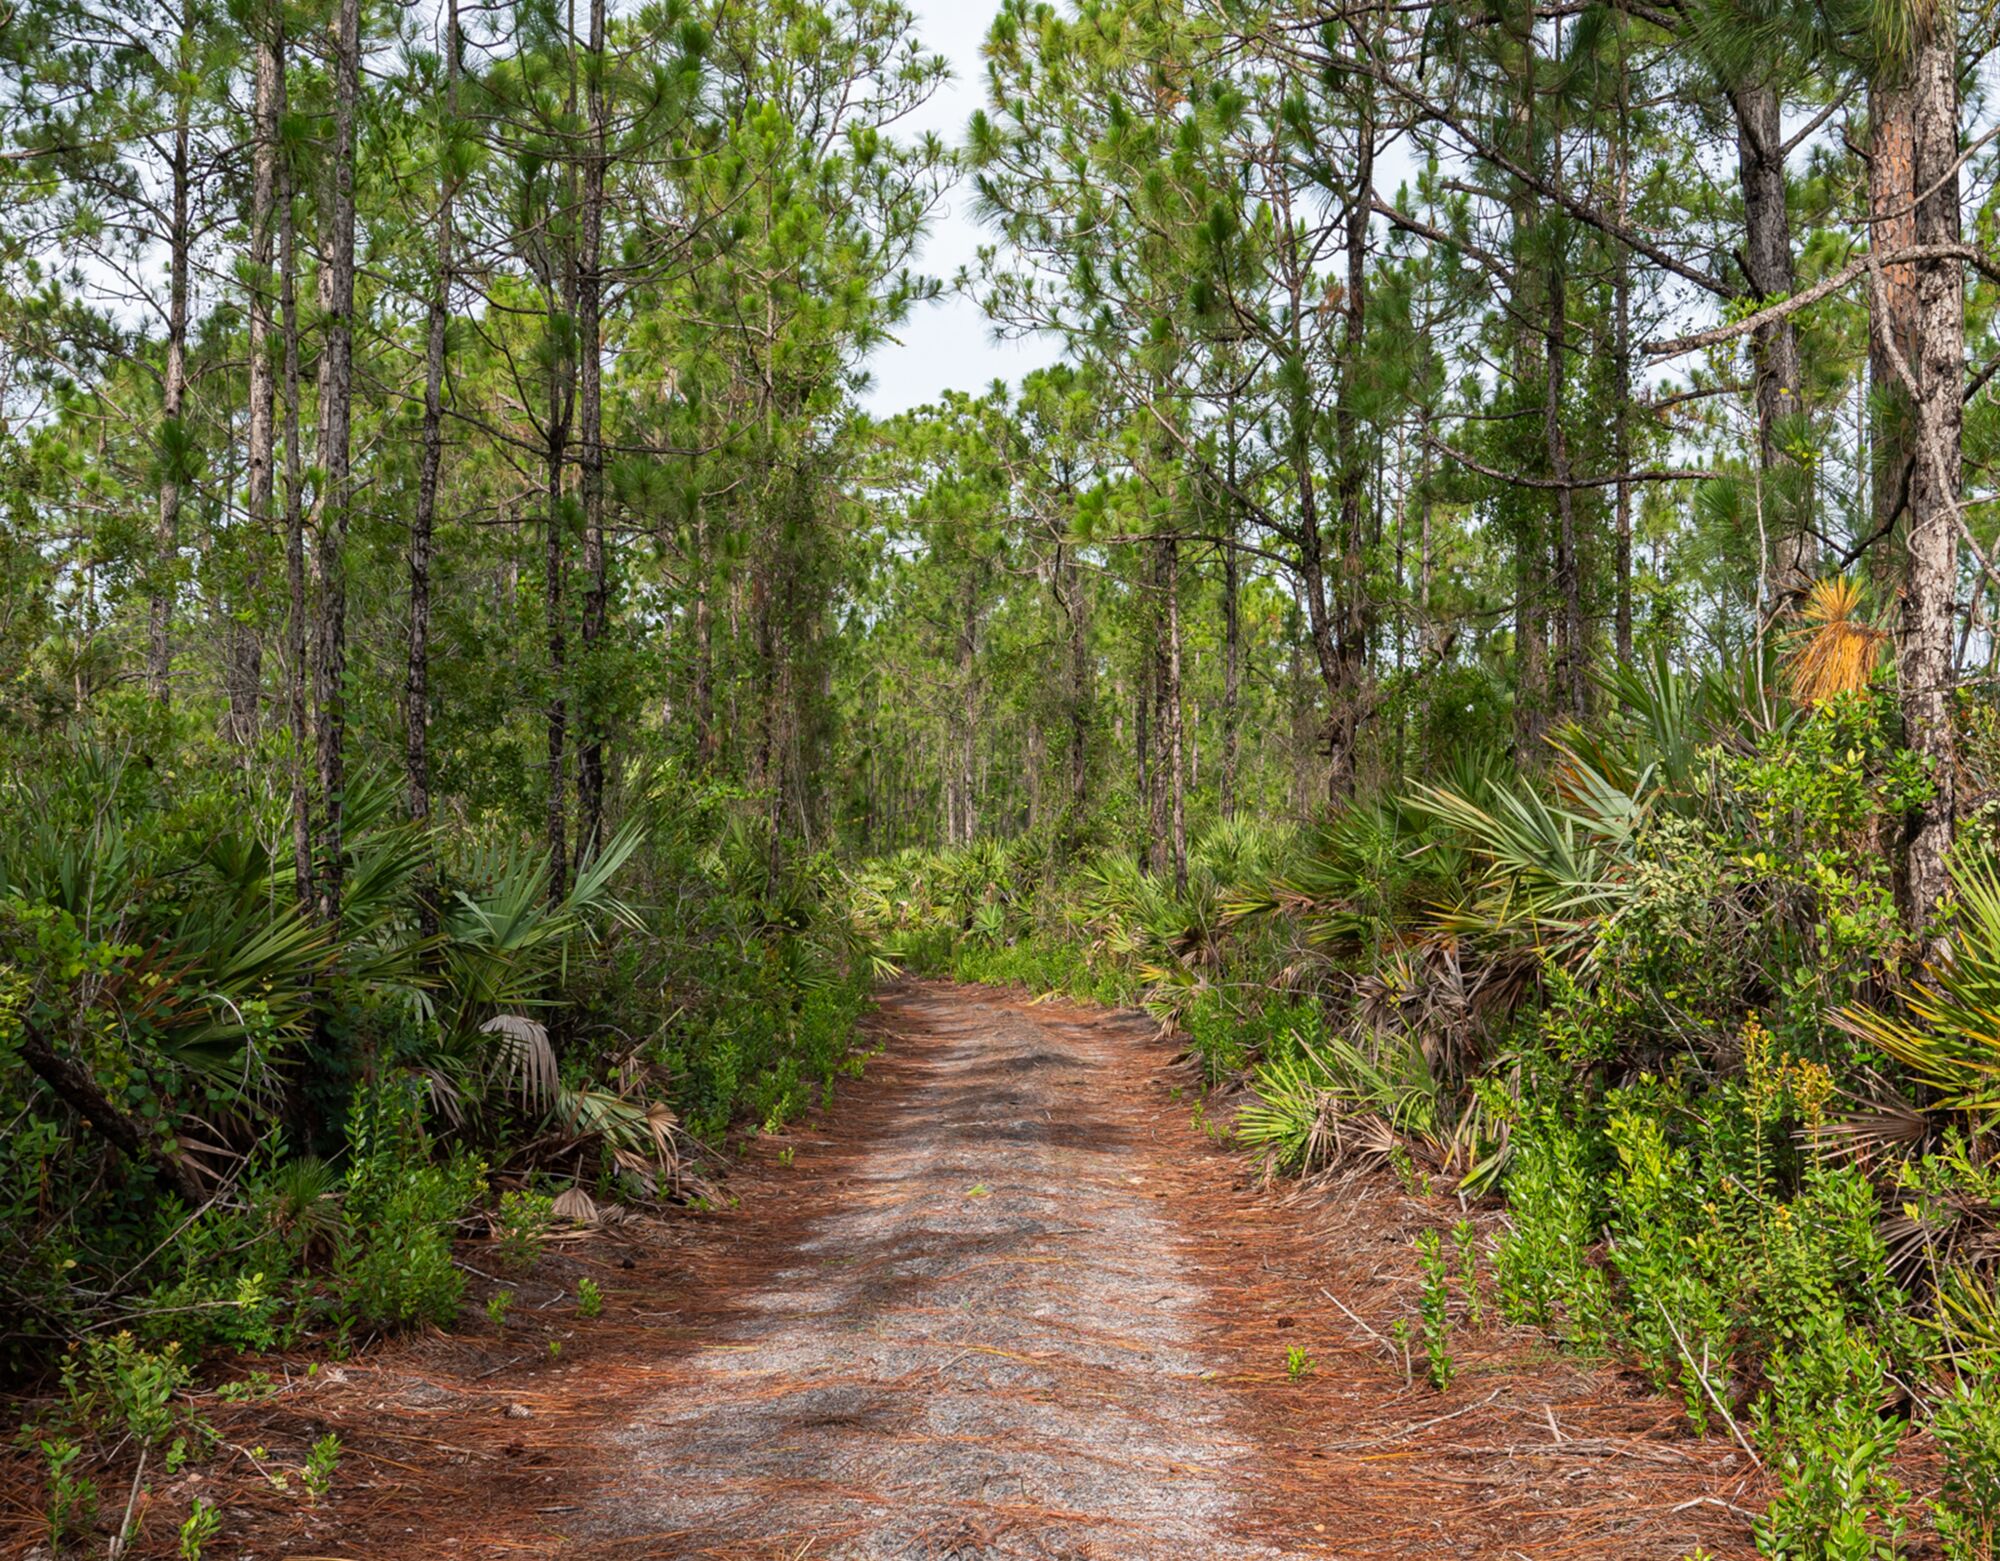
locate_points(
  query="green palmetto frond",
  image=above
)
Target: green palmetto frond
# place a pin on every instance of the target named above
(1551, 870)
(1334, 1101)
(1948, 1032)
(503, 942)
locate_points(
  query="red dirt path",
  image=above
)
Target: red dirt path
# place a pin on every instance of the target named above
(1006, 1301)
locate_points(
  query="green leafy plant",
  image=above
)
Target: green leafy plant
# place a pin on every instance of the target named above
(117, 1383)
(525, 1219)
(497, 1307)
(1967, 1427)
(1298, 1364)
(201, 1525)
(1466, 1239)
(71, 1505)
(1434, 1306)
(589, 1299)
(322, 1461)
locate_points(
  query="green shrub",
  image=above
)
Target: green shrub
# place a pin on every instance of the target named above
(1434, 1306)
(70, 1508)
(525, 1219)
(1821, 1420)
(117, 1385)
(1967, 1427)
(1555, 1205)
(394, 1267)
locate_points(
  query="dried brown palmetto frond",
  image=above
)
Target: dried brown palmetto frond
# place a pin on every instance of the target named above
(1834, 650)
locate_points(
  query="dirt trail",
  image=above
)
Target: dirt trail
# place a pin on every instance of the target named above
(1006, 1299)
(1021, 1309)
(990, 1341)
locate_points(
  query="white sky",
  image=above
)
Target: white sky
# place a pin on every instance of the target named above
(948, 345)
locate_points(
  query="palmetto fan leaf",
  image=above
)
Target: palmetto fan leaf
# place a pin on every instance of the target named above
(1550, 869)
(1948, 1033)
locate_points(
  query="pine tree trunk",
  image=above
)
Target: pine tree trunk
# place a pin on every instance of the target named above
(297, 714)
(590, 413)
(423, 524)
(1892, 225)
(1774, 348)
(1621, 351)
(556, 711)
(1572, 646)
(1926, 670)
(173, 396)
(246, 647)
(1174, 755)
(1351, 642)
(1077, 694)
(965, 751)
(706, 739)
(1232, 632)
(336, 400)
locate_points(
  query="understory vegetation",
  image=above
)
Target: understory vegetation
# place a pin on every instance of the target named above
(1659, 1001)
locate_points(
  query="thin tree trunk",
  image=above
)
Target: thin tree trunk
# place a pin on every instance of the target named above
(557, 710)
(1175, 717)
(1232, 631)
(1621, 351)
(1774, 348)
(964, 750)
(246, 657)
(590, 412)
(417, 672)
(173, 396)
(1572, 649)
(297, 714)
(1077, 694)
(1346, 716)
(706, 740)
(336, 397)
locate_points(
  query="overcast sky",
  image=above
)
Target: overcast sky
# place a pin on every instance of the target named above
(947, 345)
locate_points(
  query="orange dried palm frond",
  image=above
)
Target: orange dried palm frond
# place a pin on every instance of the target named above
(1834, 650)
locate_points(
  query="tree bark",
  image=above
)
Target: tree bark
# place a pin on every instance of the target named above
(173, 394)
(1774, 348)
(74, 1085)
(556, 712)
(1572, 644)
(1928, 310)
(297, 714)
(590, 415)
(1892, 225)
(1232, 630)
(1351, 642)
(246, 650)
(1175, 718)
(1621, 352)
(333, 501)
(423, 524)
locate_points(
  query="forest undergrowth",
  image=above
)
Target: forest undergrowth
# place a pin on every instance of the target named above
(1660, 1005)
(236, 1132)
